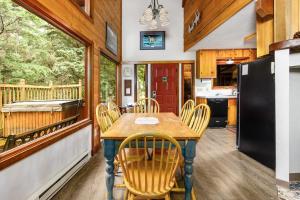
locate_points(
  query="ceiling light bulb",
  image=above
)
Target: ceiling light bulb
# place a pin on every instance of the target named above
(163, 18)
(148, 18)
(153, 22)
(163, 11)
(229, 61)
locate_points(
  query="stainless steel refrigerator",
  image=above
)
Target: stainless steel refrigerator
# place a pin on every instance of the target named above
(256, 110)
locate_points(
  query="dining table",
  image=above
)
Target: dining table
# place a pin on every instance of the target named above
(168, 123)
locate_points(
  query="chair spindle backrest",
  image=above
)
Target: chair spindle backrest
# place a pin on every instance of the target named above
(200, 119)
(103, 118)
(187, 111)
(113, 111)
(146, 105)
(154, 176)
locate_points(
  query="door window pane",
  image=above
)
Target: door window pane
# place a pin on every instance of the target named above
(108, 80)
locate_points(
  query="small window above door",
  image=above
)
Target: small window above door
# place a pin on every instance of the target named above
(84, 6)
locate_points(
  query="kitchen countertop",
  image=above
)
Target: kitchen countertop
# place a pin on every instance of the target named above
(217, 96)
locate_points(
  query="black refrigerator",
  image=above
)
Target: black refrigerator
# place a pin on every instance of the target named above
(256, 110)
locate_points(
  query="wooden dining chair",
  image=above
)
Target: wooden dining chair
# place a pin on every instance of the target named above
(103, 118)
(187, 111)
(146, 105)
(150, 178)
(113, 111)
(200, 119)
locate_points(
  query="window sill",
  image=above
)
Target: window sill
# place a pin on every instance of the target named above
(12, 156)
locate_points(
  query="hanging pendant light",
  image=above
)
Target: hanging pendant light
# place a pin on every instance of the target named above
(155, 15)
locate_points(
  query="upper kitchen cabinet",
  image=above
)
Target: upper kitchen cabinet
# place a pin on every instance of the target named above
(208, 60)
(206, 64)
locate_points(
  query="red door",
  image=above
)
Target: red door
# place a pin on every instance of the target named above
(164, 86)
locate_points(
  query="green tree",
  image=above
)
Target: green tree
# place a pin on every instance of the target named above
(34, 50)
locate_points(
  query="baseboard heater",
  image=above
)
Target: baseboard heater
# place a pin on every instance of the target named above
(55, 187)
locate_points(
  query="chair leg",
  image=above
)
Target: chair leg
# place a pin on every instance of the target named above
(131, 196)
(167, 197)
(194, 197)
(126, 194)
(116, 165)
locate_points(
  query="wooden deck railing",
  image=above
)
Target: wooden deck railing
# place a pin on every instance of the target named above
(22, 92)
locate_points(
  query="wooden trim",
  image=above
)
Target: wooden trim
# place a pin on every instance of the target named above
(183, 3)
(293, 44)
(182, 82)
(44, 13)
(135, 81)
(250, 37)
(12, 156)
(159, 62)
(89, 15)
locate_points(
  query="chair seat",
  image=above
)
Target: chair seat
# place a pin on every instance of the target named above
(145, 175)
(133, 154)
(2, 142)
(171, 157)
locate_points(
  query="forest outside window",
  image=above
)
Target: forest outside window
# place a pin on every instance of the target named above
(141, 81)
(42, 77)
(108, 80)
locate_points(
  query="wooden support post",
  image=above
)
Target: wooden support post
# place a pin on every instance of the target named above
(1, 114)
(51, 91)
(23, 92)
(80, 89)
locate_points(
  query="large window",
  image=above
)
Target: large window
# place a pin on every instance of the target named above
(42, 77)
(108, 80)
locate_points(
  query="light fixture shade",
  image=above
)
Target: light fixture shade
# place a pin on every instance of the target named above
(153, 22)
(155, 15)
(148, 18)
(148, 11)
(142, 20)
(166, 23)
(163, 11)
(163, 18)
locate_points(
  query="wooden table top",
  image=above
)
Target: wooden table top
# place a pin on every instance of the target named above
(169, 124)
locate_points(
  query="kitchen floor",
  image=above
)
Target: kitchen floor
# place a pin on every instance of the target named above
(220, 173)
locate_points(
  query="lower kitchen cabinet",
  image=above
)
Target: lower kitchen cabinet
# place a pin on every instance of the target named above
(232, 112)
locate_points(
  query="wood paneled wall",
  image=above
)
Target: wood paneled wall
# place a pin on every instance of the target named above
(286, 19)
(213, 14)
(264, 26)
(94, 29)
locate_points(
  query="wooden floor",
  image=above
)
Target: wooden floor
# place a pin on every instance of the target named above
(220, 173)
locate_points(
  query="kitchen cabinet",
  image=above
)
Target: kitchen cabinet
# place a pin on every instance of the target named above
(207, 60)
(232, 109)
(206, 64)
(200, 100)
(232, 112)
